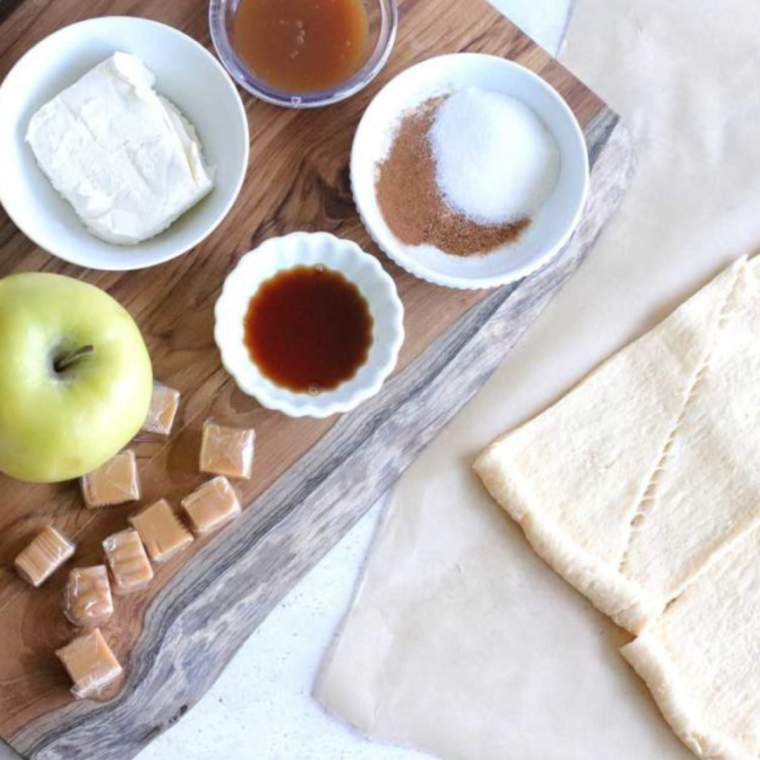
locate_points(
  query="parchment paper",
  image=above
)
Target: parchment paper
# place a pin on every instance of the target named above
(461, 642)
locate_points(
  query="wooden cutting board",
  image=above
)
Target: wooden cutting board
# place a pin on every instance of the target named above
(313, 479)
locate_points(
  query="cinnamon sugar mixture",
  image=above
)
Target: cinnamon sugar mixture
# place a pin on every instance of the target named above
(412, 204)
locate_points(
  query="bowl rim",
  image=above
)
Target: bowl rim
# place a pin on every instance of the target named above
(72, 257)
(249, 81)
(290, 403)
(399, 253)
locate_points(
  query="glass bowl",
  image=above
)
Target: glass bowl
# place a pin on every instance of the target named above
(382, 16)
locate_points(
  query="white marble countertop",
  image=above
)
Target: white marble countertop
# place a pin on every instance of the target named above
(262, 701)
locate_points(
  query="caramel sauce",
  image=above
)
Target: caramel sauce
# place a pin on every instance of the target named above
(302, 46)
(308, 329)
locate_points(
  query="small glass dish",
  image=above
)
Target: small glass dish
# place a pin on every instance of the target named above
(382, 17)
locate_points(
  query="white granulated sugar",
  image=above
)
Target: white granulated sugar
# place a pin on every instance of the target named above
(496, 161)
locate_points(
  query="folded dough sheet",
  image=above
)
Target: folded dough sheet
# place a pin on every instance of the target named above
(638, 479)
(641, 488)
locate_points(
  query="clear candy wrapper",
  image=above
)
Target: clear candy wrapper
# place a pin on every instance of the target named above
(91, 664)
(227, 451)
(130, 567)
(163, 410)
(211, 506)
(116, 482)
(161, 531)
(87, 599)
(44, 555)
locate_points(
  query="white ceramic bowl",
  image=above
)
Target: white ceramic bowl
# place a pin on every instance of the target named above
(551, 226)
(304, 249)
(185, 72)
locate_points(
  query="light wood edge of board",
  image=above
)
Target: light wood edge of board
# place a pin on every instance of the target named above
(202, 617)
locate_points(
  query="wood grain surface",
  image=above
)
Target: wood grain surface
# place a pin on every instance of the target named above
(312, 479)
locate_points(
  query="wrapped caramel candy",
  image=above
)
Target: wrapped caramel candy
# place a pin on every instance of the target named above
(90, 664)
(49, 550)
(211, 506)
(227, 451)
(163, 410)
(87, 599)
(116, 482)
(130, 566)
(161, 531)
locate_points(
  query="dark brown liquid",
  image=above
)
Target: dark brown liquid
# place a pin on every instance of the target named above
(308, 329)
(302, 46)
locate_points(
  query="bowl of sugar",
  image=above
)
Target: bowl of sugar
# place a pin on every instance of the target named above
(470, 171)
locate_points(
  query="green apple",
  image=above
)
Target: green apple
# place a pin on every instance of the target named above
(75, 377)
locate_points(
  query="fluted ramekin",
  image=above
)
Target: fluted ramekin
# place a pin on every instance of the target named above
(310, 249)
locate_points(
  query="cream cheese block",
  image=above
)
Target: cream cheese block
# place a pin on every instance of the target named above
(124, 157)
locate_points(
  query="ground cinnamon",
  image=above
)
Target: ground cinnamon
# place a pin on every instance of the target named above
(411, 202)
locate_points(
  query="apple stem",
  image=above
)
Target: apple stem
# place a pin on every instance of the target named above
(62, 364)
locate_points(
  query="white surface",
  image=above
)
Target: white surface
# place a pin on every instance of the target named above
(186, 74)
(262, 701)
(128, 162)
(310, 249)
(261, 705)
(551, 225)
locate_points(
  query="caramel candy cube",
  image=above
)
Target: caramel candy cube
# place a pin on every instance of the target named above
(163, 410)
(211, 506)
(115, 482)
(88, 601)
(161, 531)
(227, 451)
(90, 663)
(130, 566)
(49, 550)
